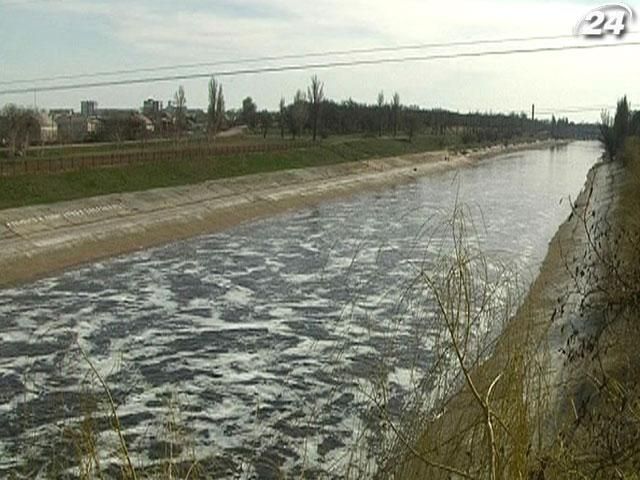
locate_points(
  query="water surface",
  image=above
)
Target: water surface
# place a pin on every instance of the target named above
(260, 333)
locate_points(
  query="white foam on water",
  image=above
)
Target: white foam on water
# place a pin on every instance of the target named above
(238, 295)
(271, 326)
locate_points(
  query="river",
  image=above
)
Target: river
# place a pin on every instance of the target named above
(257, 337)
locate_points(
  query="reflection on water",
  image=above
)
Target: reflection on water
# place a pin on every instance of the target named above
(260, 332)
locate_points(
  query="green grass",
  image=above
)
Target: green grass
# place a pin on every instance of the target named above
(78, 150)
(47, 188)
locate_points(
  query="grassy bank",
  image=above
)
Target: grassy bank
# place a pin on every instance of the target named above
(47, 188)
(558, 398)
(598, 436)
(604, 438)
(89, 148)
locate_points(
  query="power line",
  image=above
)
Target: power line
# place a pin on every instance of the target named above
(20, 3)
(562, 112)
(269, 58)
(311, 66)
(575, 109)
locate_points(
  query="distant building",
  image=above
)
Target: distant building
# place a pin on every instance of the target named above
(151, 108)
(115, 113)
(197, 120)
(48, 127)
(149, 126)
(163, 124)
(72, 128)
(88, 108)
(58, 112)
(116, 125)
(93, 124)
(171, 108)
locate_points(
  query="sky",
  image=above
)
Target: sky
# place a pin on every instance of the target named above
(46, 38)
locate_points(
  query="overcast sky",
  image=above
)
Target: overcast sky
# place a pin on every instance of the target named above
(57, 37)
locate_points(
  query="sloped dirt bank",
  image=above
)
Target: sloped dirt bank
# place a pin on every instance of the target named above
(552, 400)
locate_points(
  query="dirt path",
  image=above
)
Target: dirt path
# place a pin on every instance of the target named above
(38, 240)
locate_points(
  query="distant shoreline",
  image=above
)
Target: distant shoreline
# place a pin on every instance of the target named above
(37, 241)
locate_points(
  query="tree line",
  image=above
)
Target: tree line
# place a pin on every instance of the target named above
(312, 113)
(309, 112)
(615, 130)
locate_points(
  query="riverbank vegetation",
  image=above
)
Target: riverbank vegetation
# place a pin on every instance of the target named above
(41, 188)
(182, 146)
(558, 396)
(600, 438)
(308, 113)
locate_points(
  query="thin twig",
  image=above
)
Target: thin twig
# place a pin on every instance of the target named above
(112, 405)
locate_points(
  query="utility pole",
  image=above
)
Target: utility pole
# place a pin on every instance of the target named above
(533, 112)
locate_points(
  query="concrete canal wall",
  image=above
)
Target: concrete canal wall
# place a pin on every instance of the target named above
(38, 240)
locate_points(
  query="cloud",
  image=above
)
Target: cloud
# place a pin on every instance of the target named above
(259, 27)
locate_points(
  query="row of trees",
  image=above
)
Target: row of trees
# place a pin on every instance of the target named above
(560, 127)
(615, 130)
(313, 113)
(302, 113)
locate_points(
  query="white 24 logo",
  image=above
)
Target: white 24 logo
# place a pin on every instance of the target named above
(611, 18)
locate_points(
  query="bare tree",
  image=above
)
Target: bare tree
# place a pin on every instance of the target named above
(412, 122)
(19, 127)
(215, 113)
(298, 115)
(29, 129)
(249, 113)
(316, 96)
(265, 119)
(395, 111)
(380, 112)
(220, 109)
(11, 121)
(283, 116)
(181, 110)
(213, 102)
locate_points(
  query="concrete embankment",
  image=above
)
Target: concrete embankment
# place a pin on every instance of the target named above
(539, 366)
(37, 240)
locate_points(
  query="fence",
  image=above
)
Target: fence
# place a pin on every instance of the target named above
(119, 158)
